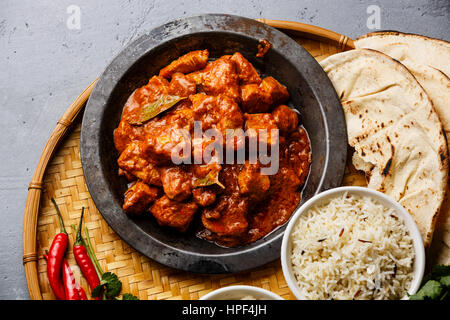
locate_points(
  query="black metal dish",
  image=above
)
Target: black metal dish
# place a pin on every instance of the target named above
(311, 93)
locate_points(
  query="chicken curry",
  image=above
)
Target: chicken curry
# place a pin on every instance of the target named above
(234, 203)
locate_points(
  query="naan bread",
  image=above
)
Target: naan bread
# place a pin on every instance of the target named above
(409, 48)
(398, 139)
(429, 61)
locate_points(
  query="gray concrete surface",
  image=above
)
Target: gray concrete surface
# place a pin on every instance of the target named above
(44, 65)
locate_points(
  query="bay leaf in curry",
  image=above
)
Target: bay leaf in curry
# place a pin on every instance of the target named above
(211, 178)
(152, 109)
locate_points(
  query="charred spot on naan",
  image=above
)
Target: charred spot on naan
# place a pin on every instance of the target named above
(387, 167)
(443, 154)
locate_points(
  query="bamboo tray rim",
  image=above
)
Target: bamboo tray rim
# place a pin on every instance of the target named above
(35, 188)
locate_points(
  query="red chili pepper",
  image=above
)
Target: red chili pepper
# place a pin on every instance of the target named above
(81, 292)
(73, 291)
(69, 283)
(55, 258)
(83, 260)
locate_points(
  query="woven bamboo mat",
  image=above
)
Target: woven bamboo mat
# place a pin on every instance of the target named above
(140, 276)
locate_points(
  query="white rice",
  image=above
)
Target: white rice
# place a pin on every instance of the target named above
(352, 247)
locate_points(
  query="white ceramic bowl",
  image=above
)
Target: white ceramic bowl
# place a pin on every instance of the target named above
(239, 292)
(419, 260)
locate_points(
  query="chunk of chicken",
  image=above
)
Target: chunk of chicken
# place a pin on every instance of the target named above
(126, 133)
(204, 192)
(254, 99)
(228, 216)
(133, 161)
(127, 175)
(220, 77)
(163, 135)
(205, 151)
(286, 119)
(139, 197)
(247, 73)
(195, 77)
(261, 126)
(220, 112)
(172, 213)
(278, 93)
(200, 171)
(251, 182)
(192, 61)
(177, 183)
(204, 196)
(137, 102)
(157, 86)
(181, 86)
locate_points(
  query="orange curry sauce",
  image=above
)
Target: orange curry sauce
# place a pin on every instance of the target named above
(235, 203)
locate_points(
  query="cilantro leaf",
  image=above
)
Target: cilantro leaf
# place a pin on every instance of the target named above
(437, 272)
(97, 292)
(445, 281)
(431, 290)
(112, 283)
(435, 285)
(129, 296)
